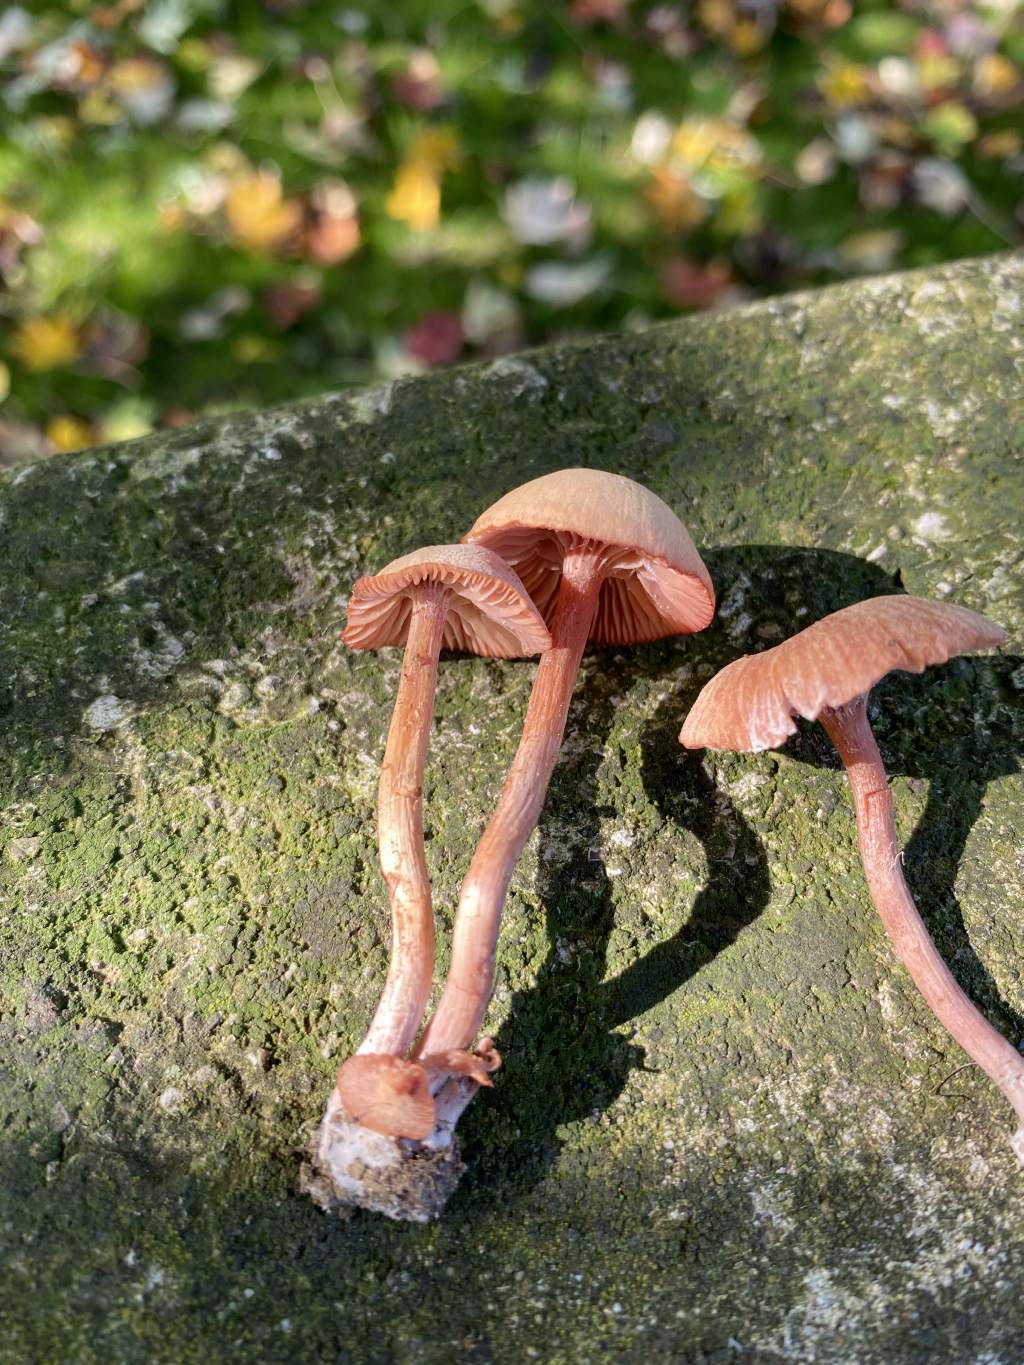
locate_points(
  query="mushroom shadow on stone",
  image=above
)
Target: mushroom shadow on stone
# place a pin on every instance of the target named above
(564, 1063)
(766, 594)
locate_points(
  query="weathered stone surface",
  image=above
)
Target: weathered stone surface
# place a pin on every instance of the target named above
(726, 1127)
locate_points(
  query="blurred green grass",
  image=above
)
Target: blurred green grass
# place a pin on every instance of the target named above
(205, 205)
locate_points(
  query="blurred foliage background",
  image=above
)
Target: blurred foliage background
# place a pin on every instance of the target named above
(207, 204)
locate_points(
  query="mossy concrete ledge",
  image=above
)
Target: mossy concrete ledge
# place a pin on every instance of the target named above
(726, 1128)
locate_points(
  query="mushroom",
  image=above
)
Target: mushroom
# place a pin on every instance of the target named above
(825, 673)
(461, 597)
(606, 561)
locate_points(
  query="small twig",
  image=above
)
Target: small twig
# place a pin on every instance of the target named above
(936, 1089)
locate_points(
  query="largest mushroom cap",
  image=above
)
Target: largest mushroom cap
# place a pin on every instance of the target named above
(489, 611)
(656, 582)
(750, 704)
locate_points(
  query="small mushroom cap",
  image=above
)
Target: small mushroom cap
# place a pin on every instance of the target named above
(387, 1095)
(657, 583)
(489, 611)
(477, 1065)
(750, 704)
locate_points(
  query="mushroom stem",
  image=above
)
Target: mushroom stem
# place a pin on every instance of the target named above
(850, 732)
(400, 831)
(467, 991)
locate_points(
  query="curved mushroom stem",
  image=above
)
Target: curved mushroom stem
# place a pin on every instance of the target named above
(850, 732)
(400, 832)
(471, 977)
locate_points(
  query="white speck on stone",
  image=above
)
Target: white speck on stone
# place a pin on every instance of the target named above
(389, 457)
(268, 687)
(272, 453)
(126, 584)
(931, 526)
(234, 697)
(23, 850)
(1006, 316)
(943, 588)
(879, 552)
(946, 422)
(765, 1202)
(747, 785)
(519, 376)
(170, 1099)
(929, 307)
(158, 662)
(893, 401)
(1003, 583)
(107, 713)
(166, 464)
(730, 608)
(372, 403)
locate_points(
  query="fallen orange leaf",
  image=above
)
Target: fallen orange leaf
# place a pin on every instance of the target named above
(258, 216)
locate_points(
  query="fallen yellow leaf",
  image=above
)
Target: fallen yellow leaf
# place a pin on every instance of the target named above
(714, 144)
(46, 343)
(258, 216)
(68, 433)
(845, 84)
(415, 198)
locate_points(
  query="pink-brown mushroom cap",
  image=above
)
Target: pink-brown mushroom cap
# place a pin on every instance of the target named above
(657, 583)
(751, 704)
(489, 612)
(387, 1095)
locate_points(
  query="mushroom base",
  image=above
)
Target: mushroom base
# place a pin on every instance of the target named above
(351, 1168)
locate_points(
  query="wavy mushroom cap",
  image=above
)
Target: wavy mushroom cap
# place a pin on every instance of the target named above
(387, 1095)
(477, 1065)
(750, 704)
(489, 611)
(656, 582)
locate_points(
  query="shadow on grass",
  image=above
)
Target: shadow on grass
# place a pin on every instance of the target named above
(565, 1061)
